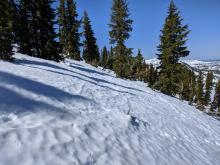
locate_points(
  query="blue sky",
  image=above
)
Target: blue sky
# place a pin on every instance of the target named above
(202, 16)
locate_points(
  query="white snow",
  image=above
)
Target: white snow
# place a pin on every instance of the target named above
(75, 114)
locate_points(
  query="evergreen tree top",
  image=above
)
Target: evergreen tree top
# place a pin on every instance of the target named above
(139, 55)
(120, 23)
(173, 37)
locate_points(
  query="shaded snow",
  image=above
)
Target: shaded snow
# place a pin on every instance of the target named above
(75, 114)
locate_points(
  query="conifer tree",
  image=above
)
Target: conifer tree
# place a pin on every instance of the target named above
(24, 28)
(62, 20)
(110, 59)
(36, 34)
(171, 49)
(138, 65)
(152, 76)
(15, 16)
(69, 25)
(6, 37)
(104, 57)
(145, 73)
(187, 84)
(192, 88)
(216, 102)
(208, 88)
(120, 27)
(73, 35)
(44, 34)
(90, 48)
(200, 92)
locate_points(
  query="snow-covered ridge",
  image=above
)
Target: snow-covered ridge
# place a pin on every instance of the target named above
(196, 65)
(74, 114)
(189, 62)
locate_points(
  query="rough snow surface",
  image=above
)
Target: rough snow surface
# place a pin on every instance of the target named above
(75, 114)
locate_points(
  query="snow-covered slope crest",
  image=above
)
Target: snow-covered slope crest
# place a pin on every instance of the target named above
(74, 114)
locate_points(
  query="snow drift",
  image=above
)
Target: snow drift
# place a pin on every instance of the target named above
(75, 114)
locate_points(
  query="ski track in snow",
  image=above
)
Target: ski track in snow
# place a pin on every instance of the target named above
(75, 114)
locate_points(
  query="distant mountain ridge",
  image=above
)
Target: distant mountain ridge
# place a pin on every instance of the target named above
(196, 65)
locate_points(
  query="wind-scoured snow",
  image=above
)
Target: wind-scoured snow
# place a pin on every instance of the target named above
(74, 114)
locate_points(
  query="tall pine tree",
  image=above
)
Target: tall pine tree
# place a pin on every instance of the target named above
(200, 92)
(104, 57)
(171, 49)
(110, 59)
(36, 35)
(187, 88)
(192, 87)
(216, 102)
(15, 16)
(69, 25)
(44, 34)
(90, 48)
(120, 28)
(6, 37)
(152, 76)
(62, 20)
(24, 28)
(208, 88)
(138, 66)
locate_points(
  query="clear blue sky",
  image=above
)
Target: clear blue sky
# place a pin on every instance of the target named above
(202, 16)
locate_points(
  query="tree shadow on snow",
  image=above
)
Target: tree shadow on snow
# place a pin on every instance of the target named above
(81, 78)
(46, 64)
(82, 68)
(37, 87)
(13, 102)
(10, 98)
(43, 64)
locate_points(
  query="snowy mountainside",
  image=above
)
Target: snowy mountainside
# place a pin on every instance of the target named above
(196, 65)
(74, 114)
(205, 66)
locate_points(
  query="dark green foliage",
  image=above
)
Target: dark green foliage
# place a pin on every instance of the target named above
(200, 92)
(35, 31)
(187, 84)
(120, 23)
(6, 37)
(15, 18)
(144, 72)
(169, 79)
(137, 69)
(140, 70)
(44, 43)
(192, 87)
(104, 57)
(171, 49)
(90, 48)
(110, 60)
(62, 20)
(69, 29)
(208, 88)
(24, 28)
(152, 76)
(122, 61)
(120, 27)
(139, 62)
(216, 102)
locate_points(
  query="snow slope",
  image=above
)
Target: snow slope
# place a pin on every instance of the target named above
(74, 114)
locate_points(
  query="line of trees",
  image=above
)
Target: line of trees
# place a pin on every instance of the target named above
(31, 26)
